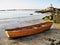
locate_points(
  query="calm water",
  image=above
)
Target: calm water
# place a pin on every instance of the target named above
(9, 19)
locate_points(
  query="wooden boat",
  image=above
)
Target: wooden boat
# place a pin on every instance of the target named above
(28, 30)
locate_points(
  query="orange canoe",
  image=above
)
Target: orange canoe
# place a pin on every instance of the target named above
(28, 30)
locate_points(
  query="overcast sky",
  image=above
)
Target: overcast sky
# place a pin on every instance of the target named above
(28, 4)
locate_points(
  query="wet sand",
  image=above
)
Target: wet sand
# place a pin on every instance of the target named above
(44, 38)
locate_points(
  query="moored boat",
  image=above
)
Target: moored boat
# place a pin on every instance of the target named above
(30, 28)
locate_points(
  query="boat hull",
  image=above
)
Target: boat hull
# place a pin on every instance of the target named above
(20, 33)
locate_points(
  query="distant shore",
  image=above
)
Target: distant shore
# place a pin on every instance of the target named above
(20, 10)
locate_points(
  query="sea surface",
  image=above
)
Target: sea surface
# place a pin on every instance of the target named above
(9, 19)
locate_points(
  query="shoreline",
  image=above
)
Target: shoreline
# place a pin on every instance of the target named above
(56, 25)
(37, 39)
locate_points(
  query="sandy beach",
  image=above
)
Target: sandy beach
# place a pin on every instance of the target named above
(44, 38)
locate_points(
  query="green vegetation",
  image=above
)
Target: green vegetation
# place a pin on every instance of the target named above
(47, 18)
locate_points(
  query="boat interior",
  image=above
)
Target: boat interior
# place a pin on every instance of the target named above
(36, 26)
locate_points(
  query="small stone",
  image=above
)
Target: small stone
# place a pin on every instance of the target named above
(59, 42)
(52, 43)
(49, 39)
(56, 43)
